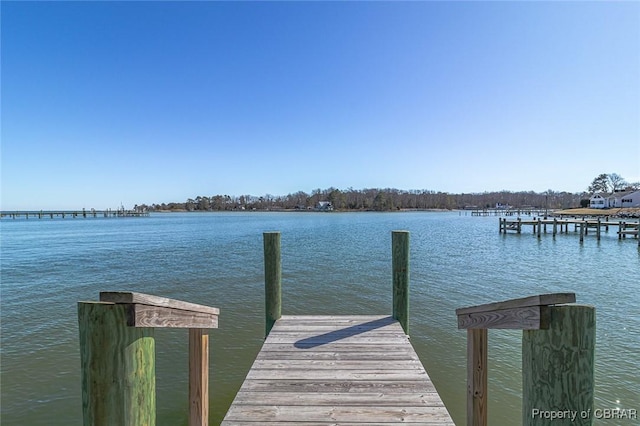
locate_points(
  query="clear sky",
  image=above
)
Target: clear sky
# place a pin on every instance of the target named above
(148, 102)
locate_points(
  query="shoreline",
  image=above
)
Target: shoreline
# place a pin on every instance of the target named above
(305, 211)
(633, 212)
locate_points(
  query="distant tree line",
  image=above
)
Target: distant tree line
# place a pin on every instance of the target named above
(374, 199)
(389, 199)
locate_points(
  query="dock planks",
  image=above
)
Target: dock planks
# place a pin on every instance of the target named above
(337, 370)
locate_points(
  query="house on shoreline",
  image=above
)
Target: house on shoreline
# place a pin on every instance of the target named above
(618, 199)
(324, 206)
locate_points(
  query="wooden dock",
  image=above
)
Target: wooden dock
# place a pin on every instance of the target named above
(626, 227)
(62, 214)
(337, 370)
(511, 211)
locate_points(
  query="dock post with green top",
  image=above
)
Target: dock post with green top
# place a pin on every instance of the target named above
(400, 268)
(558, 344)
(558, 368)
(117, 356)
(117, 367)
(272, 279)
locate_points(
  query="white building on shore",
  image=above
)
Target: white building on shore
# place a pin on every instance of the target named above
(620, 199)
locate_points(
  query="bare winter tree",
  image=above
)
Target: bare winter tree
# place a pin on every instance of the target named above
(617, 182)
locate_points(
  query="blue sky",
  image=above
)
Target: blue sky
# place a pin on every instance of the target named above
(148, 102)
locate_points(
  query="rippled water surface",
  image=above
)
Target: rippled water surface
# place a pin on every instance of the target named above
(333, 263)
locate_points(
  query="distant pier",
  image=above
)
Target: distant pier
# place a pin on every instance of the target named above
(521, 211)
(584, 226)
(62, 214)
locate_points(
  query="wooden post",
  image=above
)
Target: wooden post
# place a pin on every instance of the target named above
(539, 226)
(519, 225)
(582, 231)
(400, 268)
(598, 231)
(198, 377)
(555, 227)
(117, 367)
(477, 377)
(558, 368)
(272, 279)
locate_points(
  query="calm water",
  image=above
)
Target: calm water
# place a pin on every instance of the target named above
(338, 263)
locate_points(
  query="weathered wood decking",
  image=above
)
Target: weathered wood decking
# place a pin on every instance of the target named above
(337, 370)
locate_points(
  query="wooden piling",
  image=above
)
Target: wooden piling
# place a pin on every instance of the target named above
(555, 227)
(118, 367)
(598, 230)
(519, 226)
(558, 368)
(400, 268)
(539, 226)
(477, 376)
(198, 377)
(582, 228)
(272, 279)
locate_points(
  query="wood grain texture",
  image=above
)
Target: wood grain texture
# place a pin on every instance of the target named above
(359, 369)
(198, 377)
(477, 369)
(338, 386)
(525, 318)
(277, 423)
(117, 367)
(147, 299)
(538, 300)
(161, 317)
(338, 413)
(558, 366)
